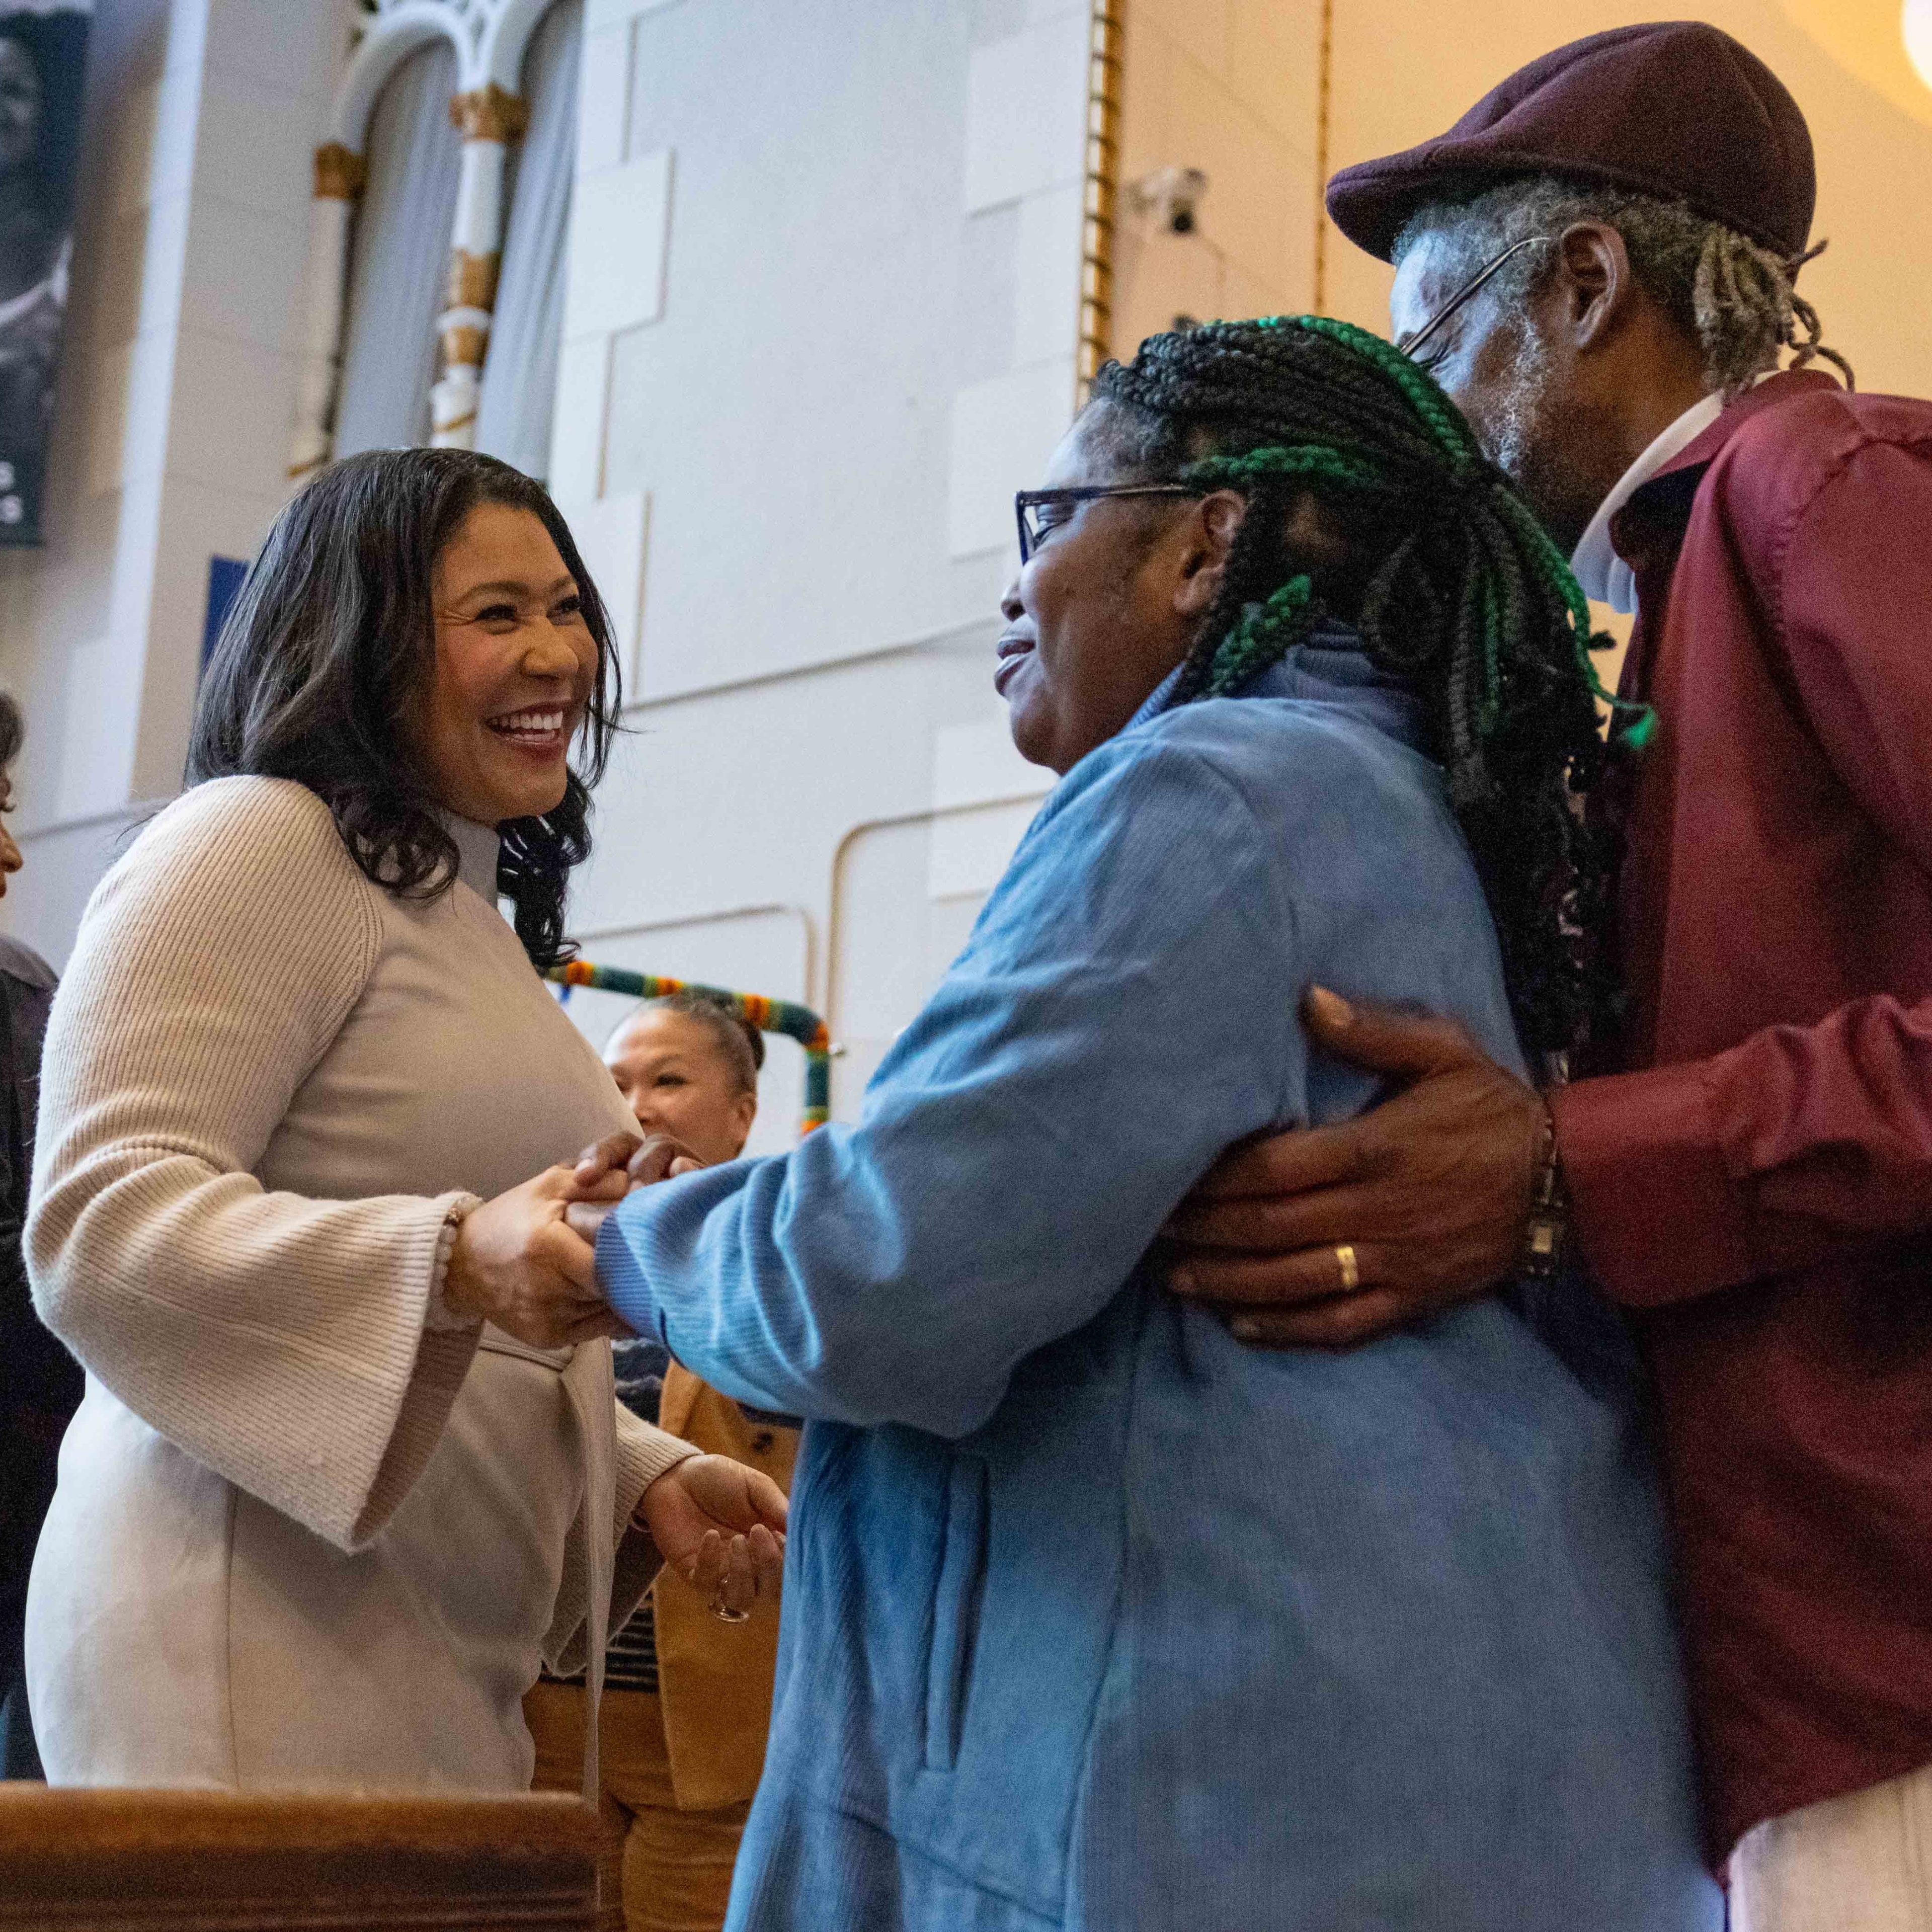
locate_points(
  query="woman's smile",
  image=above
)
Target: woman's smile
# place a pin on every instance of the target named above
(1014, 649)
(545, 730)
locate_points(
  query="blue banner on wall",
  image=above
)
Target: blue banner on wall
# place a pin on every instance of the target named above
(43, 50)
(224, 578)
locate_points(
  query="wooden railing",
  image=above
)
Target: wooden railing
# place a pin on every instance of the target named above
(115, 1860)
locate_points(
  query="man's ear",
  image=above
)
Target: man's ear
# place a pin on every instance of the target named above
(1598, 281)
(1211, 536)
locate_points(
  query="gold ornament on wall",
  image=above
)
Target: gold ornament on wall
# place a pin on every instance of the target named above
(1106, 42)
(463, 343)
(488, 113)
(473, 279)
(340, 173)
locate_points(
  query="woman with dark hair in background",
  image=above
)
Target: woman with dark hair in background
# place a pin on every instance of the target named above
(40, 1380)
(40, 59)
(350, 1464)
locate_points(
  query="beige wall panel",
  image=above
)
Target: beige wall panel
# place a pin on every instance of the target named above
(1228, 87)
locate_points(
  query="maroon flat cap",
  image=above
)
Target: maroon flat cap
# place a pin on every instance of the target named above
(1674, 108)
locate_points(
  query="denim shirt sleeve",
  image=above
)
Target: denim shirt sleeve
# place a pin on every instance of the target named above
(1124, 1010)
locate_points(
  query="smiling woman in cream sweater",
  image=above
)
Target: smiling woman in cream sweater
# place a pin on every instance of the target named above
(349, 1466)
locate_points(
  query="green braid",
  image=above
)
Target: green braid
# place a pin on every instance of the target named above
(1451, 431)
(1466, 601)
(1263, 637)
(1418, 388)
(1313, 459)
(1265, 632)
(1555, 568)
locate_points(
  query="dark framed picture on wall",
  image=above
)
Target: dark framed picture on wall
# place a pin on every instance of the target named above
(43, 50)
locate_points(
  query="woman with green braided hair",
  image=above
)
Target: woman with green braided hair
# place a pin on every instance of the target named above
(1450, 584)
(1096, 1618)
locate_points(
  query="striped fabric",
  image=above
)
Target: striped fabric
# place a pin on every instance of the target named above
(630, 1661)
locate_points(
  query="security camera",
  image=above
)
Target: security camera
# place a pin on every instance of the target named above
(1172, 195)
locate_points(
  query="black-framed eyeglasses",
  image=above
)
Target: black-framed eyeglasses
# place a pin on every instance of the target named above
(1028, 502)
(1409, 343)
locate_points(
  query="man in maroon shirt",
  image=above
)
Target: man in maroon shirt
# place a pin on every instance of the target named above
(1597, 263)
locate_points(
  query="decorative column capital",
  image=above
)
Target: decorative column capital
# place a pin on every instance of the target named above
(486, 113)
(340, 173)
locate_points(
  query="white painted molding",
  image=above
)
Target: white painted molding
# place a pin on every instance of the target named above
(598, 14)
(613, 536)
(454, 398)
(490, 37)
(612, 284)
(388, 40)
(479, 200)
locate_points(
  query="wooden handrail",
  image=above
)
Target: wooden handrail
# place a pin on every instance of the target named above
(127, 1861)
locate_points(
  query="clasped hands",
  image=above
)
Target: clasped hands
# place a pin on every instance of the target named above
(525, 1261)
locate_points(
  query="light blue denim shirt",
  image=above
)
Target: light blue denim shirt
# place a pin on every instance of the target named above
(1094, 1618)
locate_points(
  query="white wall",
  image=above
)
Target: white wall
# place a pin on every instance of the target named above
(828, 331)
(173, 415)
(820, 325)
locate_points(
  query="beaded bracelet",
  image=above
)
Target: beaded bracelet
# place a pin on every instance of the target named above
(439, 1318)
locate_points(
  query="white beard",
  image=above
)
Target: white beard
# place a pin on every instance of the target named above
(1513, 426)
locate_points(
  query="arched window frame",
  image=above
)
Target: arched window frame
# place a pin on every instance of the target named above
(490, 37)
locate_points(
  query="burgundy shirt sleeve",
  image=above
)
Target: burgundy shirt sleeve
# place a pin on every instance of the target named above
(1800, 1141)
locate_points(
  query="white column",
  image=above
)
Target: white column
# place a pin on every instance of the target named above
(339, 177)
(489, 119)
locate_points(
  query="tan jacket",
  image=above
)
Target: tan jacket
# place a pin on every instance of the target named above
(715, 1678)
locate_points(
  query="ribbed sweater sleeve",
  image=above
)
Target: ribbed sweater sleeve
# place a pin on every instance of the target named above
(644, 1453)
(279, 1340)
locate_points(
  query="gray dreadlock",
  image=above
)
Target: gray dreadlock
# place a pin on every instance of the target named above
(1735, 297)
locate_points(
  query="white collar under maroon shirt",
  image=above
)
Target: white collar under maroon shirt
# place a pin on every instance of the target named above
(1604, 575)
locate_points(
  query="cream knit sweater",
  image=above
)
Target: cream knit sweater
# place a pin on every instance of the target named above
(267, 1083)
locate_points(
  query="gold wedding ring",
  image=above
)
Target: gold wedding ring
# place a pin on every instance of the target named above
(1351, 1275)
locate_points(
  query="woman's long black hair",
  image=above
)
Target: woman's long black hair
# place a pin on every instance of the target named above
(329, 644)
(1467, 602)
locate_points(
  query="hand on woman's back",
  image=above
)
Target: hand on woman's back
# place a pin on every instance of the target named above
(516, 1262)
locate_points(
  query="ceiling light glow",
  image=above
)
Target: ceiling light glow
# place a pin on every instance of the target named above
(1916, 25)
